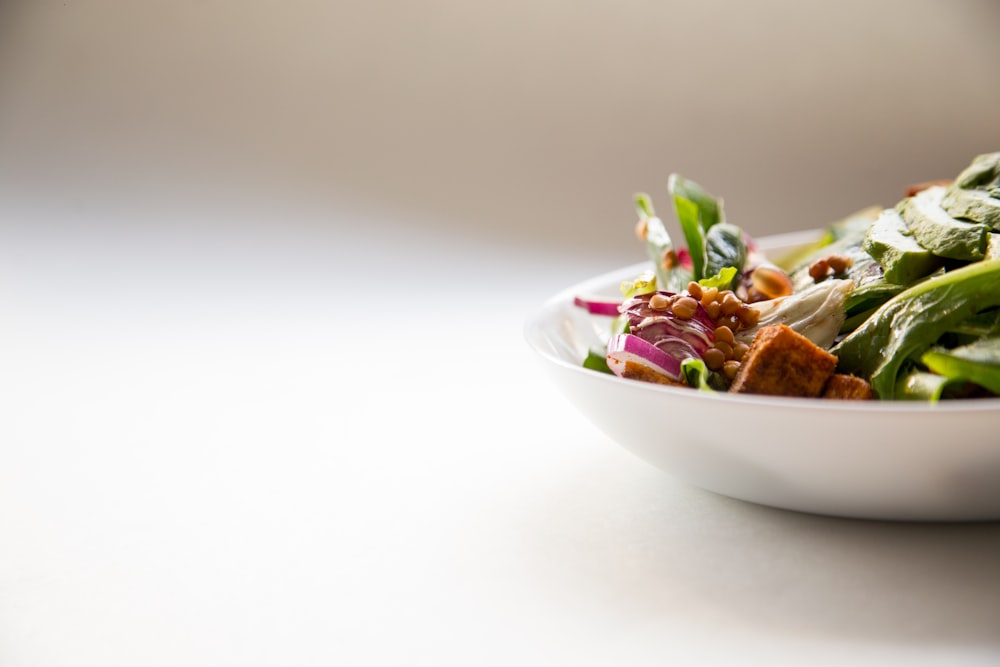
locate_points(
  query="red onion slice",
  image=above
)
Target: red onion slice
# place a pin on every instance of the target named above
(597, 305)
(626, 348)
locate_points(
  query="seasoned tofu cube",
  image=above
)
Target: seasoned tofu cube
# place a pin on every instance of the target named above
(783, 362)
(849, 387)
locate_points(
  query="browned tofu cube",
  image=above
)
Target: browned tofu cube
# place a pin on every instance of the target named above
(783, 362)
(848, 387)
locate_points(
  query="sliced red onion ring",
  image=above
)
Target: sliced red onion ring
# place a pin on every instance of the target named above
(597, 305)
(627, 348)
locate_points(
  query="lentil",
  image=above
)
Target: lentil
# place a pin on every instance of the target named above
(659, 301)
(685, 307)
(749, 317)
(724, 334)
(730, 369)
(730, 304)
(714, 358)
(730, 321)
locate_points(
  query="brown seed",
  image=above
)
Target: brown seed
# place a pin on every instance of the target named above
(739, 351)
(659, 301)
(730, 369)
(714, 358)
(724, 334)
(771, 281)
(748, 316)
(730, 304)
(725, 348)
(729, 321)
(709, 294)
(642, 229)
(712, 307)
(685, 307)
(819, 269)
(694, 289)
(839, 263)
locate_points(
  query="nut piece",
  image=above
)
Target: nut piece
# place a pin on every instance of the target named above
(770, 281)
(783, 362)
(839, 263)
(819, 269)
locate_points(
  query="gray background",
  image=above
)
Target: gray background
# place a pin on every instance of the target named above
(522, 122)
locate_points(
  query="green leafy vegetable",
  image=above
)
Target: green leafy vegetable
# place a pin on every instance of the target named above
(597, 361)
(891, 243)
(940, 233)
(696, 373)
(724, 248)
(977, 362)
(644, 283)
(983, 173)
(921, 386)
(910, 323)
(669, 273)
(697, 212)
(721, 280)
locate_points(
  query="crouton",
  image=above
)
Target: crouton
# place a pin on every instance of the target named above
(783, 362)
(848, 387)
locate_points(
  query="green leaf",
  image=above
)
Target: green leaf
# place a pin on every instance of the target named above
(696, 374)
(725, 248)
(644, 205)
(722, 280)
(644, 283)
(670, 275)
(697, 212)
(908, 324)
(978, 362)
(596, 360)
(709, 207)
(921, 386)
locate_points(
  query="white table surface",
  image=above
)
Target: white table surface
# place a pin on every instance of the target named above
(300, 447)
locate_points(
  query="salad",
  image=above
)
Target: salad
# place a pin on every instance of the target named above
(898, 303)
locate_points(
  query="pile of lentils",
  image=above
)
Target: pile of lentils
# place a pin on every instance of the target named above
(728, 313)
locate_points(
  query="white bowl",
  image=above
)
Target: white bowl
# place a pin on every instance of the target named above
(871, 459)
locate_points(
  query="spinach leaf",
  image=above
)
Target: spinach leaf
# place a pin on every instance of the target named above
(697, 212)
(910, 323)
